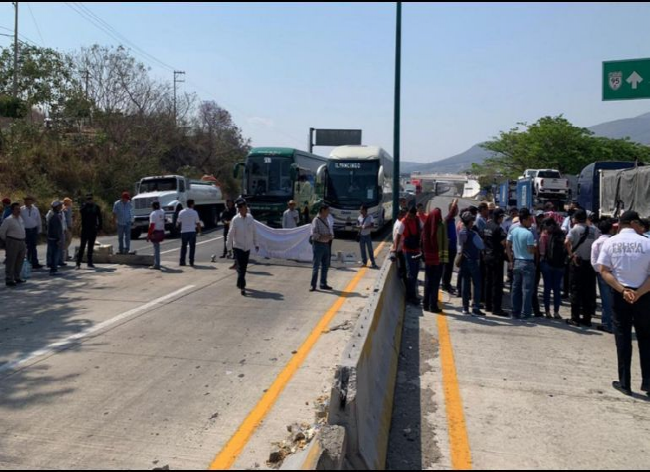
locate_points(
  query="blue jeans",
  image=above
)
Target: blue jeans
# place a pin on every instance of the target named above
(322, 259)
(412, 272)
(31, 240)
(366, 242)
(607, 301)
(188, 238)
(156, 255)
(523, 284)
(53, 254)
(470, 274)
(552, 283)
(124, 237)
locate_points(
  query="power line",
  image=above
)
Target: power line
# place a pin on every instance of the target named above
(26, 40)
(99, 23)
(35, 23)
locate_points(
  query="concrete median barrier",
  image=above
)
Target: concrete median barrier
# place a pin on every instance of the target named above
(362, 396)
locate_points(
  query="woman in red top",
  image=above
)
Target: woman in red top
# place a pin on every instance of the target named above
(436, 252)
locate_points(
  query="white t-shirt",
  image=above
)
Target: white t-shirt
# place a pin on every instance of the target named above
(157, 217)
(627, 255)
(188, 219)
(290, 219)
(396, 229)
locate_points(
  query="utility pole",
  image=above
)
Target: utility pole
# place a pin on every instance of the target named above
(396, 125)
(15, 88)
(177, 73)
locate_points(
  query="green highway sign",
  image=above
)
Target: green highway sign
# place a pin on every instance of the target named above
(626, 80)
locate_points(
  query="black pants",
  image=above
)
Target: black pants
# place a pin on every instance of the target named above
(87, 238)
(226, 230)
(583, 292)
(483, 269)
(432, 286)
(188, 239)
(241, 259)
(495, 269)
(448, 270)
(626, 316)
(566, 289)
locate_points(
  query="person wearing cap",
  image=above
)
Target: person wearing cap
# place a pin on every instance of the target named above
(12, 232)
(625, 265)
(322, 234)
(91, 225)
(66, 213)
(409, 236)
(495, 257)
(579, 242)
(55, 236)
(33, 229)
(365, 224)
(606, 228)
(509, 221)
(242, 238)
(521, 248)
(291, 217)
(470, 245)
(122, 216)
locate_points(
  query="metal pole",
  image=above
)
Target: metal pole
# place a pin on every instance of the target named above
(311, 140)
(396, 129)
(15, 88)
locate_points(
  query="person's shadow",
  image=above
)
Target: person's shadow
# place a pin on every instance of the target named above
(257, 295)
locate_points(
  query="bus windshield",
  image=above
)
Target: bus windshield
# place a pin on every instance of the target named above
(353, 183)
(158, 185)
(269, 176)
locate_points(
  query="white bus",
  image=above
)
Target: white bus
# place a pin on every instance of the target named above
(356, 176)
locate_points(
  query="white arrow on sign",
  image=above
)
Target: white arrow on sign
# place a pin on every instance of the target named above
(634, 80)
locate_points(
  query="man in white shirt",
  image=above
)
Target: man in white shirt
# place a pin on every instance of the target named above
(291, 217)
(606, 228)
(190, 224)
(242, 238)
(33, 228)
(365, 224)
(625, 265)
(12, 232)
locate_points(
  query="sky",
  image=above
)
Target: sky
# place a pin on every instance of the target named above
(468, 70)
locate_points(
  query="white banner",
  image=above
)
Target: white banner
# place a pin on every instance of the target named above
(287, 244)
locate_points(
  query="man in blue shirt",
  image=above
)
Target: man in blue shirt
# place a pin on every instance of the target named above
(122, 214)
(521, 254)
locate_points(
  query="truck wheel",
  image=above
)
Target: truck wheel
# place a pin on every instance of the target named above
(136, 233)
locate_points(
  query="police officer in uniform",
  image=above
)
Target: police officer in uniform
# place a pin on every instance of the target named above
(625, 266)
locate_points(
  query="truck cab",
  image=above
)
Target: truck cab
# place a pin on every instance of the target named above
(173, 192)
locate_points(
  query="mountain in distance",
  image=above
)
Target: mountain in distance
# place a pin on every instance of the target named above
(637, 129)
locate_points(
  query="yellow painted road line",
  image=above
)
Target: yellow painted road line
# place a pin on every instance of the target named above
(238, 441)
(461, 455)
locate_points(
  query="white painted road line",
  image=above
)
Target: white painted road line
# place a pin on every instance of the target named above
(65, 343)
(198, 244)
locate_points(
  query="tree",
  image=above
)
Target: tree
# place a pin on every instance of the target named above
(45, 78)
(553, 142)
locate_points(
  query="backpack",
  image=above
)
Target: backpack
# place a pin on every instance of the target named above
(556, 251)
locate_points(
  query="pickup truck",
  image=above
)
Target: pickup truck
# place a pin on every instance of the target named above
(173, 192)
(548, 183)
